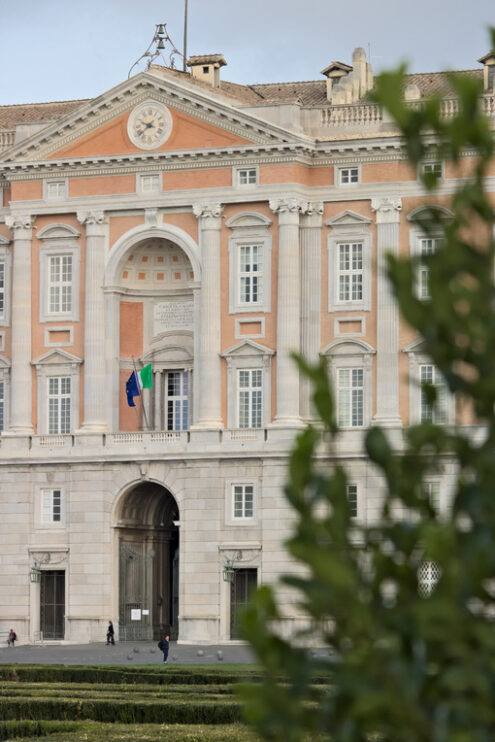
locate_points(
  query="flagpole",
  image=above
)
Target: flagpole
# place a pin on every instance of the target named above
(139, 390)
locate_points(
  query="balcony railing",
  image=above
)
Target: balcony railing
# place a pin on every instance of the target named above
(7, 138)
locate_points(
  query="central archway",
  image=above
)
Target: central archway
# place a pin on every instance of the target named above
(148, 538)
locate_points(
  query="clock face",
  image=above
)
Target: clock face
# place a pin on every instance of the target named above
(149, 125)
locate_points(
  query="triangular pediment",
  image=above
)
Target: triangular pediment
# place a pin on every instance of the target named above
(247, 348)
(200, 119)
(56, 357)
(348, 219)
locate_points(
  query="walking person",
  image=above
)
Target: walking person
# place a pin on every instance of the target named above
(163, 644)
(110, 634)
(12, 638)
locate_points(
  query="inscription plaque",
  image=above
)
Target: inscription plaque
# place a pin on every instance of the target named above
(173, 315)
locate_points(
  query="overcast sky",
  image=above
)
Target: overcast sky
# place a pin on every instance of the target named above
(65, 49)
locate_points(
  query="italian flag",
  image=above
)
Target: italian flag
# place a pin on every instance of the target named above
(145, 377)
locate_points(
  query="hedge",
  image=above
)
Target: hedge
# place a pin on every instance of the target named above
(177, 675)
(15, 729)
(126, 712)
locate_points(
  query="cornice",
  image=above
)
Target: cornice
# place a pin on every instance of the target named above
(182, 201)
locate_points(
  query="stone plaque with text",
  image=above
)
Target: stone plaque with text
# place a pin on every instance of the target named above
(172, 315)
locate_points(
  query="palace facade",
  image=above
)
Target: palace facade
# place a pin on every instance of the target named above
(209, 229)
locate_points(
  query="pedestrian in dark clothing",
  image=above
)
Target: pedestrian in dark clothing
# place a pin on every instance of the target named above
(110, 634)
(12, 638)
(164, 645)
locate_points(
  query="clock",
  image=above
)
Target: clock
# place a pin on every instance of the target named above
(149, 125)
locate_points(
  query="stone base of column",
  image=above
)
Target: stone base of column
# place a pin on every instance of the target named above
(385, 421)
(19, 430)
(95, 427)
(208, 425)
(287, 422)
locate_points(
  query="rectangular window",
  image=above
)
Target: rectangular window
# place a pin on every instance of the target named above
(2, 290)
(350, 272)
(437, 413)
(51, 506)
(427, 246)
(248, 176)
(349, 175)
(350, 397)
(56, 190)
(250, 398)
(352, 493)
(431, 490)
(434, 167)
(250, 274)
(59, 404)
(60, 284)
(150, 183)
(2, 405)
(243, 500)
(177, 394)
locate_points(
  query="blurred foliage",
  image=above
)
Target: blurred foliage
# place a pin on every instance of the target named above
(403, 664)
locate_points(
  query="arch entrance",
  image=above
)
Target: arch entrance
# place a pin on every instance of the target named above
(148, 543)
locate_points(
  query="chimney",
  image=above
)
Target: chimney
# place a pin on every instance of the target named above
(488, 62)
(334, 74)
(206, 67)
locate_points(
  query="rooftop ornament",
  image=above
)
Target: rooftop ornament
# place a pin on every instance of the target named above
(160, 42)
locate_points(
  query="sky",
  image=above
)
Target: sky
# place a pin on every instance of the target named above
(66, 49)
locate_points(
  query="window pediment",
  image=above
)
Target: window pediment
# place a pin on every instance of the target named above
(248, 220)
(247, 349)
(417, 346)
(348, 348)
(4, 362)
(57, 231)
(423, 213)
(348, 219)
(56, 358)
(4, 241)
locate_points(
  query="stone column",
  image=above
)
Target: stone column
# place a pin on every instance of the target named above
(387, 314)
(288, 310)
(112, 352)
(207, 367)
(95, 393)
(21, 372)
(311, 223)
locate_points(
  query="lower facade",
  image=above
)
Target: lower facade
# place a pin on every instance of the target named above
(157, 543)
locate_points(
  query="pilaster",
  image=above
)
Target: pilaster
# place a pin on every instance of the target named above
(207, 343)
(311, 225)
(95, 392)
(21, 373)
(387, 211)
(288, 310)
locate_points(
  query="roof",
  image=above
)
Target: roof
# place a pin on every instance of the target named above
(305, 93)
(207, 59)
(33, 113)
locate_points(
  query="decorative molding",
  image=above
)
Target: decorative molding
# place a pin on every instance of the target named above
(92, 217)
(387, 209)
(207, 210)
(19, 221)
(314, 208)
(288, 205)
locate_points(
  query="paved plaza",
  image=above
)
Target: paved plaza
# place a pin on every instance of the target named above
(123, 653)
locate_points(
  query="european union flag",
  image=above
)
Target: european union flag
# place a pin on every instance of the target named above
(132, 389)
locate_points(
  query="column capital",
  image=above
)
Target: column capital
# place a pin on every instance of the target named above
(288, 205)
(387, 209)
(19, 223)
(95, 222)
(312, 216)
(207, 210)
